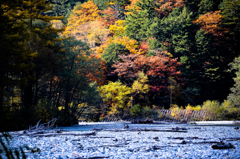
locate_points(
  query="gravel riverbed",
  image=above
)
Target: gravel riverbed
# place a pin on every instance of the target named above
(112, 140)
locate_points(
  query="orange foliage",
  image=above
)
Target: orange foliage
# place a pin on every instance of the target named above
(85, 24)
(168, 5)
(132, 6)
(210, 22)
(144, 46)
(99, 69)
(109, 16)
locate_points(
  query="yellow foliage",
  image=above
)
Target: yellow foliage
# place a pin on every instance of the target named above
(119, 96)
(132, 6)
(87, 12)
(57, 24)
(176, 111)
(139, 85)
(130, 44)
(196, 108)
(118, 28)
(116, 94)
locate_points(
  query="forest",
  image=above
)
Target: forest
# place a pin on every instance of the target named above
(80, 59)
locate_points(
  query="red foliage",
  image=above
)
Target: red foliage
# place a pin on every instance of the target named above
(158, 69)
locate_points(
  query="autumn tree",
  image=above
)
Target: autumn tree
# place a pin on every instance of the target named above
(116, 96)
(157, 68)
(120, 98)
(86, 24)
(109, 16)
(210, 22)
(82, 14)
(130, 44)
(139, 87)
(166, 6)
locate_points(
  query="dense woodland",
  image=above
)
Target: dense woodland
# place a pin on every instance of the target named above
(71, 59)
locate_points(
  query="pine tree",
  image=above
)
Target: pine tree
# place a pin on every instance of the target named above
(139, 21)
(230, 10)
(234, 96)
(13, 56)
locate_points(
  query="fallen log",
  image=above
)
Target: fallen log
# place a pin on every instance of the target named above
(57, 134)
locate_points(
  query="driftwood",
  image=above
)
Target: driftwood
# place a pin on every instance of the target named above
(95, 157)
(117, 145)
(44, 126)
(222, 145)
(49, 133)
(190, 142)
(183, 130)
(101, 137)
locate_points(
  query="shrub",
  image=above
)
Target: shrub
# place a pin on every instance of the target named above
(211, 108)
(176, 112)
(229, 111)
(136, 110)
(147, 112)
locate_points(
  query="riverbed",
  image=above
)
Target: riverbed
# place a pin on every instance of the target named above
(125, 140)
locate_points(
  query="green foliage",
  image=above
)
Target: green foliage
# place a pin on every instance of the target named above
(205, 6)
(102, 4)
(218, 111)
(136, 110)
(230, 10)
(229, 111)
(142, 112)
(139, 21)
(234, 96)
(147, 112)
(62, 8)
(111, 53)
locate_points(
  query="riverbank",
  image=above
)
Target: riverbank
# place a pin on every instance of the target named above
(112, 140)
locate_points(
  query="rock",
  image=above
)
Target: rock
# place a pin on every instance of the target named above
(156, 138)
(183, 142)
(126, 126)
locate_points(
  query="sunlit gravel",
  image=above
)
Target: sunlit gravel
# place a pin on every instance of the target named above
(196, 143)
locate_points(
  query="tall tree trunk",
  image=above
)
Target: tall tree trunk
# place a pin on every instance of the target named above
(50, 91)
